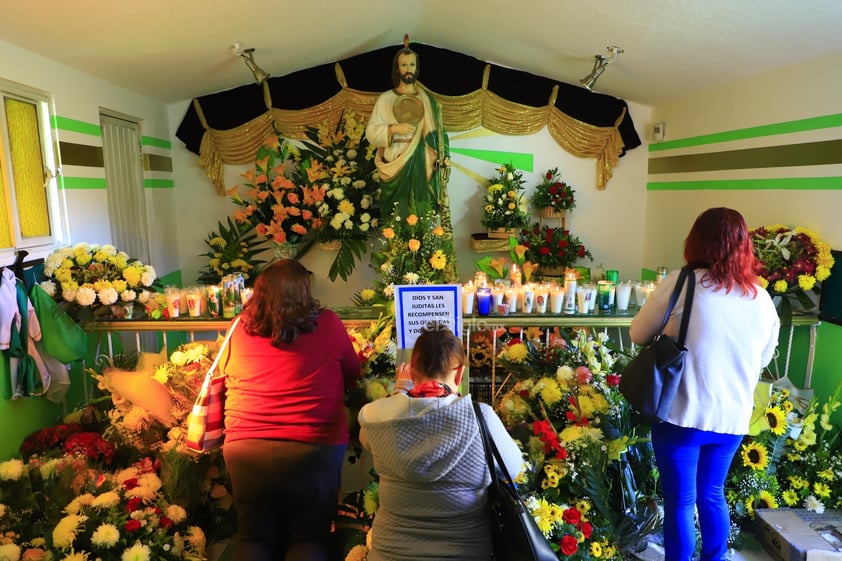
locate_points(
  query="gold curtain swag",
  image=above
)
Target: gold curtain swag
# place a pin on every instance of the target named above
(460, 113)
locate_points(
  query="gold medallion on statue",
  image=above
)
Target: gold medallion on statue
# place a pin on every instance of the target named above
(408, 109)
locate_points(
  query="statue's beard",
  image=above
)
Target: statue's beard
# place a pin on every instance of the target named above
(408, 78)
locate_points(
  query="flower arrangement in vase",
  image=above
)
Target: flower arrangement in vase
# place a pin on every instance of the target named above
(588, 479)
(793, 262)
(415, 249)
(553, 197)
(338, 165)
(89, 279)
(505, 212)
(281, 209)
(553, 249)
(232, 249)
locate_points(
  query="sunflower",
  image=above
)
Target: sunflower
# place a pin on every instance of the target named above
(765, 500)
(776, 418)
(755, 456)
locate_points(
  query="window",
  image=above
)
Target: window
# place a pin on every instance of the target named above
(30, 210)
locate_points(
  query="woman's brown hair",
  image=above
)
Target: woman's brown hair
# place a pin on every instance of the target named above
(437, 351)
(282, 305)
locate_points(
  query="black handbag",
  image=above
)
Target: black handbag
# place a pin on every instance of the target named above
(514, 533)
(650, 381)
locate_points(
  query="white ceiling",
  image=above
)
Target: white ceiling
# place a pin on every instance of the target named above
(175, 50)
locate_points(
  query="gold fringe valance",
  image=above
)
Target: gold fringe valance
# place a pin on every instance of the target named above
(460, 113)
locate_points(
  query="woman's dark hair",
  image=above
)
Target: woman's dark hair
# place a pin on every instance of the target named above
(281, 306)
(719, 242)
(437, 351)
(396, 73)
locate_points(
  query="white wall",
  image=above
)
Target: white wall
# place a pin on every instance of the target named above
(80, 96)
(609, 222)
(803, 91)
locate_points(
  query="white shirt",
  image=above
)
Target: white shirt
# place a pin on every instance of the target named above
(730, 338)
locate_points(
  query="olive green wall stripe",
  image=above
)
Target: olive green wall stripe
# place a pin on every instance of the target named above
(157, 142)
(154, 162)
(82, 182)
(801, 125)
(73, 154)
(64, 123)
(158, 183)
(778, 184)
(521, 161)
(804, 154)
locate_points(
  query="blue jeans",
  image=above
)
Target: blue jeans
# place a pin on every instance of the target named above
(286, 495)
(693, 465)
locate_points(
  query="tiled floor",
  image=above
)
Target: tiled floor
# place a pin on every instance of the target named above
(656, 553)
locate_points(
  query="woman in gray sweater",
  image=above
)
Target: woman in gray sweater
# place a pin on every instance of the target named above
(428, 452)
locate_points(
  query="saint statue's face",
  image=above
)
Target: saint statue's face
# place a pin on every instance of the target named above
(407, 68)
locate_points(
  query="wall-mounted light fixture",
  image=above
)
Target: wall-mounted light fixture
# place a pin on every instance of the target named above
(599, 64)
(259, 74)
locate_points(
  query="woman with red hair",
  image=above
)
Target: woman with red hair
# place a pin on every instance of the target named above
(732, 335)
(286, 430)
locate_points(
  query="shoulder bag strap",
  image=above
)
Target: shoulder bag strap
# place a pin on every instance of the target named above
(679, 284)
(222, 347)
(491, 451)
(688, 304)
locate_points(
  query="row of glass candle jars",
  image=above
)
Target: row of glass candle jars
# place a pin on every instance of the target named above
(225, 299)
(571, 297)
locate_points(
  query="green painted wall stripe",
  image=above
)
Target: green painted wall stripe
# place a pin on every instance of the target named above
(800, 125)
(157, 142)
(82, 182)
(520, 160)
(779, 184)
(67, 124)
(158, 183)
(803, 154)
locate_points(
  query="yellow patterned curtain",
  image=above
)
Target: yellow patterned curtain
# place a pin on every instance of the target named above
(460, 113)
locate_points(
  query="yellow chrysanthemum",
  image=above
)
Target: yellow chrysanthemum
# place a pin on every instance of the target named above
(797, 482)
(550, 392)
(790, 497)
(438, 260)
(776, 419)
(516, 353)
(780, 286)
(806, 282)
(755, 455)
(821, 489)
(346, 207)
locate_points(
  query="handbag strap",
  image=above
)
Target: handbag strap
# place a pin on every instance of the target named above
(689, 276)
(221, 350)
(491, 451)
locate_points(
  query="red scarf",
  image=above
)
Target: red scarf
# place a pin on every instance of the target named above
(430, 389)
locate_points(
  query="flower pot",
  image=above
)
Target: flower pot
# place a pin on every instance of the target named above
(550, 212)
(551, 270)
(502, 233)
(332, 245)
(122, 310)
(284, 251)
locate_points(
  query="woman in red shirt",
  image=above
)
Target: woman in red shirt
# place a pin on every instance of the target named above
(289, 365)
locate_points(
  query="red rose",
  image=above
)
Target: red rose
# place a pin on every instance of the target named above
(586, 528)
(572, 516)
(613, 380)
(132, 525)
(130, 483)
(569, 545)
(165, 522)
(134, 504)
